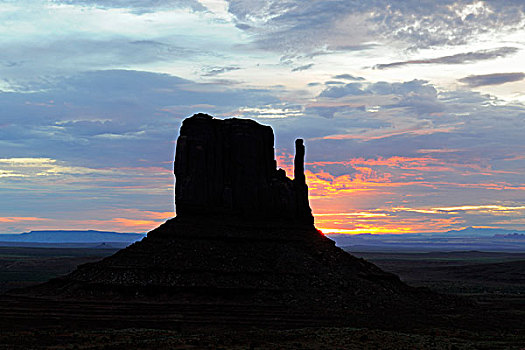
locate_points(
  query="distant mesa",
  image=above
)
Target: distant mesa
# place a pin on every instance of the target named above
(71, 237)
(515, 235)
(243, 235)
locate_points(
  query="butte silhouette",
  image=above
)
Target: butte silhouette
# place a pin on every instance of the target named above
(244, 234)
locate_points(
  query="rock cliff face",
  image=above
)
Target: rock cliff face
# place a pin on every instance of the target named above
(227, 168)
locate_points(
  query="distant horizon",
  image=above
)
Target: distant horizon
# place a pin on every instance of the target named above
(323, 232)
(469, 239)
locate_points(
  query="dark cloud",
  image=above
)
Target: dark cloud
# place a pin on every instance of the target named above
(340, 91)
(301, 68)
(491, 79)
(243, 26)
(138, 6)
(348, 77)
(413, 87)
(355, 116)
(460, 58)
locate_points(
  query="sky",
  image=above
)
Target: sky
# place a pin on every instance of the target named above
(413, 112)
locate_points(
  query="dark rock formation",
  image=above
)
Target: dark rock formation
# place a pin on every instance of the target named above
(227, 168)
(243, 236)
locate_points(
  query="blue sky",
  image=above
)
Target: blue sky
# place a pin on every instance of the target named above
(413, 112)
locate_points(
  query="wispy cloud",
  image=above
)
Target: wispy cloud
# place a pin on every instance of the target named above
(17, 219)
(213, 71)
(489, 208)
(43, 167)
(460, 58)
(348, 77)
(376, 135)
(398, 220)
(138, 6)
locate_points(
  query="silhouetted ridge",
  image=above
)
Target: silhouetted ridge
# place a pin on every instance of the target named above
(227, 168)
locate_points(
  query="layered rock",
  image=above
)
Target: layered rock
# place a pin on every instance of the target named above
(227, 168)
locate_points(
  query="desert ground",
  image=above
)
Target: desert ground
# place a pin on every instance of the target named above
(494, 281)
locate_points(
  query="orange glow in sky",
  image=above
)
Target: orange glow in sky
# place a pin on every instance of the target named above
(376, 196)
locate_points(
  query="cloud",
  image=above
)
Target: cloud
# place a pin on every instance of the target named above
(348, 77)
(40, 59)
(43, 167)
(405, 219)
(491, 79)
(138, 6)
(275, 111)
(110, 117)
(411, 118)
(298, 26)
(417, 95)
(302, 68)
(460, 58)
(340, 91)
(96, 35)
(100, 141)
(213, 71)
(421, 182)
(490, 208)
(325, 112)
(4, 219)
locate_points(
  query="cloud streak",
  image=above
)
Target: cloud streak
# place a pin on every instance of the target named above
(492, 79)
(348, 77)
(302, 68)
(460, 58)
(213, 71)
(138, 6)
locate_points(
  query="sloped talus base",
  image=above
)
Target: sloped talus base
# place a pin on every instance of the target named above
(195, 261)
